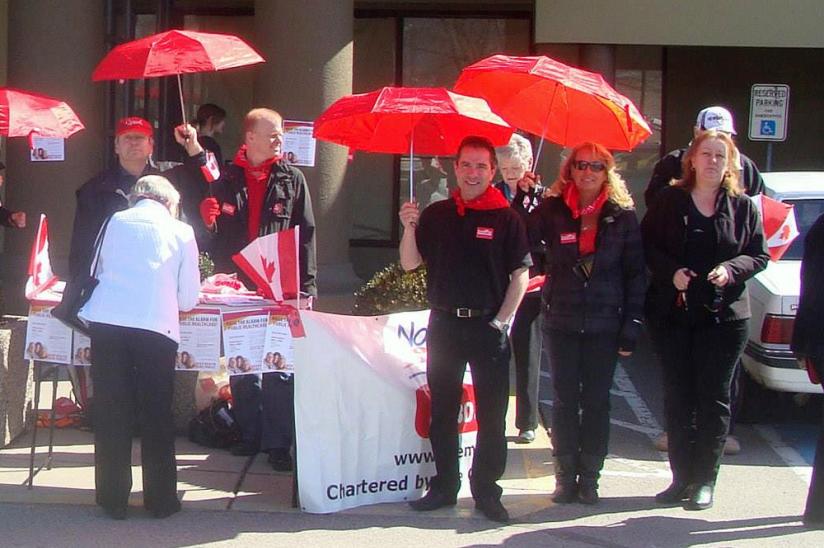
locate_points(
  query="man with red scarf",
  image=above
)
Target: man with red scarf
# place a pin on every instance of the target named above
(477, 257)
(261, 194)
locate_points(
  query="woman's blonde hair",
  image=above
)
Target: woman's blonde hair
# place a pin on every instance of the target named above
(730, 183)
(617, 191)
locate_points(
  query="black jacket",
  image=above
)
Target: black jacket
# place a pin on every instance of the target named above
(107, 192)
(611, 301)
(741, 248)
(669, 167)
(286, 205)
(808, 336)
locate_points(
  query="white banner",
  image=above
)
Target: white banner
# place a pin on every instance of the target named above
(362, 411)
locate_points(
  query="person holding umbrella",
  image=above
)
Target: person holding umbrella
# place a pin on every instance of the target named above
(515, 165)
(477, 257)
(14, 219)
(703, 240)
(261, 194)
(593, 299)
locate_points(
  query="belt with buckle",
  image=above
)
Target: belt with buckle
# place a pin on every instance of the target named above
(466, 312)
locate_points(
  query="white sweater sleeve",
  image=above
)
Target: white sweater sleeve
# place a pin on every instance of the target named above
(188, 280)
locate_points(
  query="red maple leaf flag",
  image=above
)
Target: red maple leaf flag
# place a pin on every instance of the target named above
(210, 170)
(778, 220)
(272, 263)
(41, 276)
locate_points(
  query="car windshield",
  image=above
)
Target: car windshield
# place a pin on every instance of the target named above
(806, 213)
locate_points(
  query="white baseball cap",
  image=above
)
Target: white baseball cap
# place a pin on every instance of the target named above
(717, 118)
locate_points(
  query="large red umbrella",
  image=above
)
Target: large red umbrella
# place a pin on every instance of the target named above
(23, 114)
(778, 220)
(173, 53)
(397, 120)
(563, 104)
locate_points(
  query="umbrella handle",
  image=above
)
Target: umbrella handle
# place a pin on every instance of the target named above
(412, 166)
(180, 94)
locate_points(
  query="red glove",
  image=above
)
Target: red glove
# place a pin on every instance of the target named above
(209, 211)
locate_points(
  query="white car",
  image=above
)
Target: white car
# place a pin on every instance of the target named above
(774, 291)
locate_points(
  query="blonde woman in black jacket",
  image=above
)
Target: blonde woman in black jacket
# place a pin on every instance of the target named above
(702, 241)
(593, 304)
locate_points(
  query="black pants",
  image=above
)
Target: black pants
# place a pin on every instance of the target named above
(527, 341)
(451, 343)
(814, 512)
(698, 363)
(133, 373)
(265, 409)
(583, 365)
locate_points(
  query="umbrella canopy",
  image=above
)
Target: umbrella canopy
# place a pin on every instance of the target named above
(432, 121)
(563, 104)
(23, 113)
(778, 220)
(175, 52)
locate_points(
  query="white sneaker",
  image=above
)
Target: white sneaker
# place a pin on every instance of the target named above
(526, 436)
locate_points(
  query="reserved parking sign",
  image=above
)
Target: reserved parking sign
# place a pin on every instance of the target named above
(769, 106)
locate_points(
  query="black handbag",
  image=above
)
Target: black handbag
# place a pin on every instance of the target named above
(79, 290)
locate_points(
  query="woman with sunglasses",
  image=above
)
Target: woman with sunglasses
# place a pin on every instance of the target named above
(702, 240)
(592, 307)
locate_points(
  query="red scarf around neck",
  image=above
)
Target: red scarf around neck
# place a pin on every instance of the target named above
(586, 238)
(492, 198)
(256, 178)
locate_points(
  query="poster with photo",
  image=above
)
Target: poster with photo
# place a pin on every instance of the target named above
(47, 339)
(82, 346)
(199, 348)
(243, 334)
(47, 149)
(298, 143)
(278, 347)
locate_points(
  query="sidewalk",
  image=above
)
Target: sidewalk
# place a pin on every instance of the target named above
(214, 479)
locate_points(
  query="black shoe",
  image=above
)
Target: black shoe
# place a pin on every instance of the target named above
(675, 493)
(115, 512)
(588, 493)
(244, 449)
(565, 493)
(280, 459)
(700, 498)
(493, 509)
(433, 500)
(165, 511)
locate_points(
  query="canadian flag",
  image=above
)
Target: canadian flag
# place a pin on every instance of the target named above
(272, 263)
(210, 170)
(41, 276)
(778, 220)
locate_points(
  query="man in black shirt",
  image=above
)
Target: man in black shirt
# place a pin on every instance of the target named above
(477, 258)
(669, 167)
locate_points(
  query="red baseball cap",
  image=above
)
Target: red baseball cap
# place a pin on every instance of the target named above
(134, 124)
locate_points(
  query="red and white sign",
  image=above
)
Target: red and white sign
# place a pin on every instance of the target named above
(362, 411)
(484, 233)
(568, 238)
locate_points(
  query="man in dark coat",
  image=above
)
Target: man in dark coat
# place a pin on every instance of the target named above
(808, 346)
(261, 194)
(669, 167)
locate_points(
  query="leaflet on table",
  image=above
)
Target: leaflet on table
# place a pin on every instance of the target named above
(243, 335)
(278, 346)
(199, 348)
(47, 338)
(82, 346)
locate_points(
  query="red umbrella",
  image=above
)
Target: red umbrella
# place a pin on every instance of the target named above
(566, 105)
(430, 121)
(778, 220)
(23, 113)
(173, 53)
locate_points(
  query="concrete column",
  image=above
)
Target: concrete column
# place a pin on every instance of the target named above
(53, 46)
(307, 45)
(599, 58)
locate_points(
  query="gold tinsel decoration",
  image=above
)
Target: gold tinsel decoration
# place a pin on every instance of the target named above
(392, 290)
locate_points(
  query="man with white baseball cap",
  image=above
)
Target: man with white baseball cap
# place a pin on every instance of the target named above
(669, 167)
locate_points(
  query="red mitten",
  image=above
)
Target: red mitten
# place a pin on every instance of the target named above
(209, 211)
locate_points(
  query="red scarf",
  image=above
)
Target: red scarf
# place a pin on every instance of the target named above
(586, 238)
(492, 198)
(256, 178)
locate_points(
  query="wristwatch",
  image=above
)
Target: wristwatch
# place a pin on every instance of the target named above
(499, 325)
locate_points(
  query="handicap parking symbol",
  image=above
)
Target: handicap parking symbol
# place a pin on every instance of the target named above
(767, 127)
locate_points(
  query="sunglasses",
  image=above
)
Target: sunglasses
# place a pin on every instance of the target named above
(595, 167)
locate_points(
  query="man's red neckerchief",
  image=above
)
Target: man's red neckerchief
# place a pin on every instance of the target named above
(492, 198)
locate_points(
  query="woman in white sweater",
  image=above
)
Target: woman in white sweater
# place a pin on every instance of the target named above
(147, 272)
